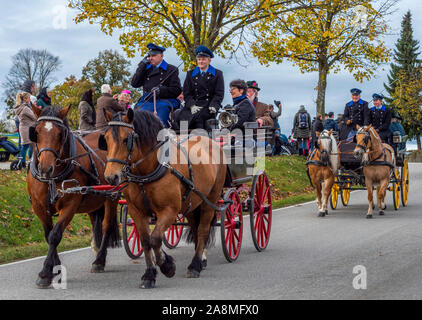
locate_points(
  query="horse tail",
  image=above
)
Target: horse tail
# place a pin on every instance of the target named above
(191, 234)
(97, 226)
(114, 239)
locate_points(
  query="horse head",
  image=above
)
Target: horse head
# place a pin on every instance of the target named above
(49, 134)
(128, 139)
(325, 144)
(363, 142)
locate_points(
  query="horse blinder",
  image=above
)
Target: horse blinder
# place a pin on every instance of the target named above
(33, 135)
(102, 143)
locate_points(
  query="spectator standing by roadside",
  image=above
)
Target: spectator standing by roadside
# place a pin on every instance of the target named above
(316, 126)
(302, 130)
(109, 103)
(44, 98)
(86, 110)
(29, 87)
(23, 110)
(330, 123)
(124, 98)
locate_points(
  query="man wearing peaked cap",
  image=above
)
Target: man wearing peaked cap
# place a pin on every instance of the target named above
(356, 112)
(203, 91)
(380, 117)
(157, 77)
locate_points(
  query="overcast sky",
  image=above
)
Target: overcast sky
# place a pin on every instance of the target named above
(30, 24)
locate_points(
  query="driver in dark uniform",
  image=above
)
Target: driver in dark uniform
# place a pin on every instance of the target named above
(356, 112)
(380, 117)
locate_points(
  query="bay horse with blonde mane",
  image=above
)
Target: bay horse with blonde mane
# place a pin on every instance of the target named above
(161, 190)
(322, 165)
(64, 159)
(378, 162)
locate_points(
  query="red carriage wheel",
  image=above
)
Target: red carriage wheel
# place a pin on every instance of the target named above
(173, 235)
(231, 224)
(131, 240)
(260, 211)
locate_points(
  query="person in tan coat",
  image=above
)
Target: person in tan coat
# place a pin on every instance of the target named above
(262, 110)
(109, 103)
(27, 118)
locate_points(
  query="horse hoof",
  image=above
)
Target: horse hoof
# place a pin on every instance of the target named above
(147, 284)
(97, 268)
(369, 216)
(204, 263)
(43, 283)
(321, 214)
(381, 213)
(192, 274)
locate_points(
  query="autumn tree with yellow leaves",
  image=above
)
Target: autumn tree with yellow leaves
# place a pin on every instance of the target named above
(327, 37)
(221, 25)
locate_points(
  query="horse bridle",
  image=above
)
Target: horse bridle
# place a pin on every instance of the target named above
(59, 122)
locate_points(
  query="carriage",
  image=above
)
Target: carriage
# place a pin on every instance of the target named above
(350, 175)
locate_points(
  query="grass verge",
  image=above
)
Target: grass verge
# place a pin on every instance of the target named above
(22, 236)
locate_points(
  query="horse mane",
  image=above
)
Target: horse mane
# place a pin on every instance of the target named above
(53, 111)
(147, 126)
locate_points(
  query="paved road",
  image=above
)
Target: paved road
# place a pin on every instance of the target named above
(307, 258)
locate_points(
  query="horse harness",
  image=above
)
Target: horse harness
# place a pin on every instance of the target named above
(160, 170)
(382, 155)
(70, 162)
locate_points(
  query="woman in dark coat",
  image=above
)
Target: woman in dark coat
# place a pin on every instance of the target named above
(44, 98)
(87, 111)
(203, 91)
(241, 104)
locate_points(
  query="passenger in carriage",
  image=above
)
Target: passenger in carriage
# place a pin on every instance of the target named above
(380, 117)
(356, 112)
(243, 107)
(396, 126)
(262, 110)
(203, 91)
(155, 75)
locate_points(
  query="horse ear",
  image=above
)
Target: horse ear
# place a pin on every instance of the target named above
(64, 111)
(130, 115)
(330, 132)
(107, 115)
(36, 110)
(317, 133)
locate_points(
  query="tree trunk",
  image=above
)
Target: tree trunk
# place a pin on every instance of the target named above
(418, 141)
(322, 86)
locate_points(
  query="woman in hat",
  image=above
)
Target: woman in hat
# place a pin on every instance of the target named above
(203, 91)
(380, 117)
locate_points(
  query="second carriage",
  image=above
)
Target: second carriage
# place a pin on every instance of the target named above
(350, 175)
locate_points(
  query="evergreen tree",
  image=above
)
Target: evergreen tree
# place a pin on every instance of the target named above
(405, 59)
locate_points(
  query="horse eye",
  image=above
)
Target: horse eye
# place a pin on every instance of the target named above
(125, 141)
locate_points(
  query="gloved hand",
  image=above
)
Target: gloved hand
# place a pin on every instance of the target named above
(145, 60)
(277, 103)
(195, 109)
(212, 110)
(156, 90)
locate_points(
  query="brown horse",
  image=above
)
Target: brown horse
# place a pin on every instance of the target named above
(61, 156)
(160, 192)
(322, 165)
(378, 164)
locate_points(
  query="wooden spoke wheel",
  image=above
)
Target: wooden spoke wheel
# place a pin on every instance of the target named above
(345, 194)
(173, 235)
(260, 211)
(131, 241)
(404, 185)
(334, 194)
(396, 189)
(231, 224)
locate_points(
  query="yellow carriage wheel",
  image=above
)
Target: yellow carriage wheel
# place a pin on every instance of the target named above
(334, 194)
(404, 186)
(396, 189)
(345, 194)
